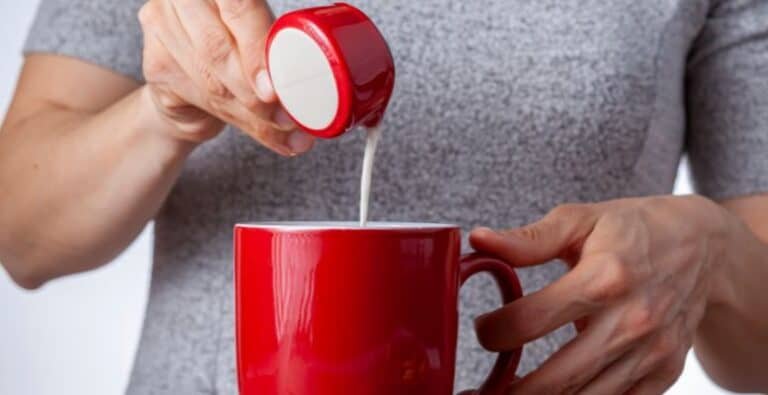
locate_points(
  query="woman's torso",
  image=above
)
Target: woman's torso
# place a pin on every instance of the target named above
(502, 110)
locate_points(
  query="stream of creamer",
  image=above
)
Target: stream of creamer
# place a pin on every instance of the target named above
(371, 141)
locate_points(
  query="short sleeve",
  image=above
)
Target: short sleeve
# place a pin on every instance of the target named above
(103, 32)
(727, 101)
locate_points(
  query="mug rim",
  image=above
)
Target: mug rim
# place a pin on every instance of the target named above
(344, 225)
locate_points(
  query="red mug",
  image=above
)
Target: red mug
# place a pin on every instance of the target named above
(334, 309)
(331, 68)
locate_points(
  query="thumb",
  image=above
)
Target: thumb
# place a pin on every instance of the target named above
(560, 234)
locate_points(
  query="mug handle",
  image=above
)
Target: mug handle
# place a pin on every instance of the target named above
(503, 372)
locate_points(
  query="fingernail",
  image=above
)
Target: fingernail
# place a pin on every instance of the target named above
(282, 119)
(264, 89)
(300, 142)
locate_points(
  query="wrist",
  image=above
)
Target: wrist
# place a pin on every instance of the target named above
(157, 126)
(729, 246)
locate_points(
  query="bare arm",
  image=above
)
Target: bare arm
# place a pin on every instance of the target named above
(732, 340)
(84, 164)
(87, 157)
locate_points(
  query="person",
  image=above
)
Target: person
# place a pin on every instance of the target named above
(571, 111)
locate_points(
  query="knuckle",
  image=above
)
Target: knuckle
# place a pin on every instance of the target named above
(627, 219)
(612, 281)
(213, 86)
(232, 9)
(672, 368)
(690, 253)
(638, 324)
(155, 66)
(218, 106)
(530, 232)
(170, 103)
(569, 386)
(252, 103)
(252, 62)
(148, 13)
(643, 320)
(260, 131)
(567, 211)
(166, 100)
(665, 347)
(215, 45)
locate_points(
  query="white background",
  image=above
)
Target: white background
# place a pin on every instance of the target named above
(78, 335)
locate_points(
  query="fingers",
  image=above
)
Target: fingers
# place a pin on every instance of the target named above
(264, 88)
(633, 366)
(622, 345)
(202, 47)
(249, 21)
(539, 313)
(172, 96)
(659, 381)
(159, 19)
(558, 235)
(664, 353)
(285, 143)
(215, 58)
(597, 282)
(566, 371)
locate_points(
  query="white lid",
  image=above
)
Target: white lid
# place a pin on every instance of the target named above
(303, 78)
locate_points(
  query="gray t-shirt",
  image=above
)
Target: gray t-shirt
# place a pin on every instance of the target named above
(502, 110)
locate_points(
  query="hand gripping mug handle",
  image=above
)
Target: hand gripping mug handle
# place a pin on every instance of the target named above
(503, 372)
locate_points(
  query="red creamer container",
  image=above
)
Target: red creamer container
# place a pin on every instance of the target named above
(331, 68)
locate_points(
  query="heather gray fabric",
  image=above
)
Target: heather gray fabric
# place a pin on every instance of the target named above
(503, 109)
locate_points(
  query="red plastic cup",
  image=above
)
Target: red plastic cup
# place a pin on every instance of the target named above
(331, 68)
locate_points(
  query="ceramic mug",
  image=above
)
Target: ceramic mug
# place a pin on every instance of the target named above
(333, 308)
(331, 68)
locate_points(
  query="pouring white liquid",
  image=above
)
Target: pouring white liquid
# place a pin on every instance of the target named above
(371, 141)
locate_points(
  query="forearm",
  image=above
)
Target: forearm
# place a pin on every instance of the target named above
(77, 188)
(732, 339)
